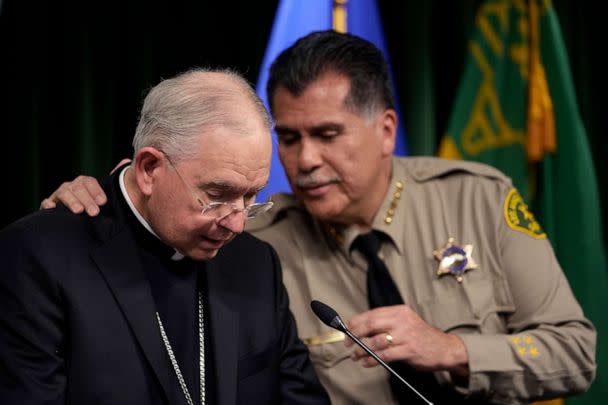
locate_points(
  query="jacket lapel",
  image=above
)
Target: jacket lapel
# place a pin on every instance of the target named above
(224, 333)
(118, 262)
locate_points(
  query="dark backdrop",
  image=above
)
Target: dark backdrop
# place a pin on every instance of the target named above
(73, 74)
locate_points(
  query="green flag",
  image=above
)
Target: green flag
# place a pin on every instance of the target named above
(516, 110)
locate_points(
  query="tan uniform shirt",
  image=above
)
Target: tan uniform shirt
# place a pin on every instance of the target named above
(524, 332)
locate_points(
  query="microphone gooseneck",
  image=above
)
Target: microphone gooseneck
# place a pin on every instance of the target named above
(330, 317)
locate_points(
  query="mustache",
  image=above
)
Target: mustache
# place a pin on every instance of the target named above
(309, 180)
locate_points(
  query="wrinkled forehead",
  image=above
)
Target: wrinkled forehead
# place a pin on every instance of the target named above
(243, 136)
(319, 101)
(230, 162)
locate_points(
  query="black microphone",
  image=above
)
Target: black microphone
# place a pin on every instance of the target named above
(330, 317)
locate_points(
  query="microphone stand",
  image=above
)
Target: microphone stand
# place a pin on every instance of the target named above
(379, 360)
(330, 317)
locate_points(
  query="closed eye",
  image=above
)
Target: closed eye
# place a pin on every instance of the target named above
(327, 131)
(287, 137)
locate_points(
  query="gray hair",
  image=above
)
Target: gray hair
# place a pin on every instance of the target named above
(177, 110)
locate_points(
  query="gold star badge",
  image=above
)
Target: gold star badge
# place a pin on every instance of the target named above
(454, 260)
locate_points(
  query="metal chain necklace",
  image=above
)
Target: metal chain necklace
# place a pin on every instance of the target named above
(201, 345)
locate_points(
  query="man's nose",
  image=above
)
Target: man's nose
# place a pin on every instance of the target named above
(234, 222)
(309, 157)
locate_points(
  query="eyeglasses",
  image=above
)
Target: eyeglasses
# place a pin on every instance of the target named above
(219, 209)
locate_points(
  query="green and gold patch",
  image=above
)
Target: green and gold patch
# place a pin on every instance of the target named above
(519, 217)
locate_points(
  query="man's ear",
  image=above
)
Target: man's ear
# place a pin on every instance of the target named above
(388, 130)
(148, 164)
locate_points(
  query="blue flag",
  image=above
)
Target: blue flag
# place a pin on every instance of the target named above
(296, 18)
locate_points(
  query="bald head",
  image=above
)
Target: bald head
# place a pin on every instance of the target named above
(178, 110)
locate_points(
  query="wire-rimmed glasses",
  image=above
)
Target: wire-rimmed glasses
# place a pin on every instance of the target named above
(221, 209)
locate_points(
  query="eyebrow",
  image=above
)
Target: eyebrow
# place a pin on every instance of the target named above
(228, 187)
(316, 128)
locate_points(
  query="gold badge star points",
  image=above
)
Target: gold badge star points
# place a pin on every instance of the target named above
(454, 260)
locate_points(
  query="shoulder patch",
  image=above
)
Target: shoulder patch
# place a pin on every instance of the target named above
(519, 217)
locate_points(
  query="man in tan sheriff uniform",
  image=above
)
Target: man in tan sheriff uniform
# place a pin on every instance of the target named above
(487, 307)
(506, 310)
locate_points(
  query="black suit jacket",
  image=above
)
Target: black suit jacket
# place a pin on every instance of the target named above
(78, 325)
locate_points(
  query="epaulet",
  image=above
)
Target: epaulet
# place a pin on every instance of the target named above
(424, 169)
(283, 202)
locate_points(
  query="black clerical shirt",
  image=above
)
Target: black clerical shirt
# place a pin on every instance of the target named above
(175, 285)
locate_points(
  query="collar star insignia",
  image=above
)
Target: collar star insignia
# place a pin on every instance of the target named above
(454, 260)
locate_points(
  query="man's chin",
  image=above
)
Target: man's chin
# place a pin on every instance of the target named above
(321, 210)
(203, 254)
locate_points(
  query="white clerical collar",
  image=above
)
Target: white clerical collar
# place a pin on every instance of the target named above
(121, 180)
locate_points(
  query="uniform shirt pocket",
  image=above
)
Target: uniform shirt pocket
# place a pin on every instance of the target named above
(329, 354)
(475, 305)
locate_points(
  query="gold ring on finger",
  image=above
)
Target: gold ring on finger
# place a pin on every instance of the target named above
(389, 339)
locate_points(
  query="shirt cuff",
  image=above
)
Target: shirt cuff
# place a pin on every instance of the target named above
(487, 354)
